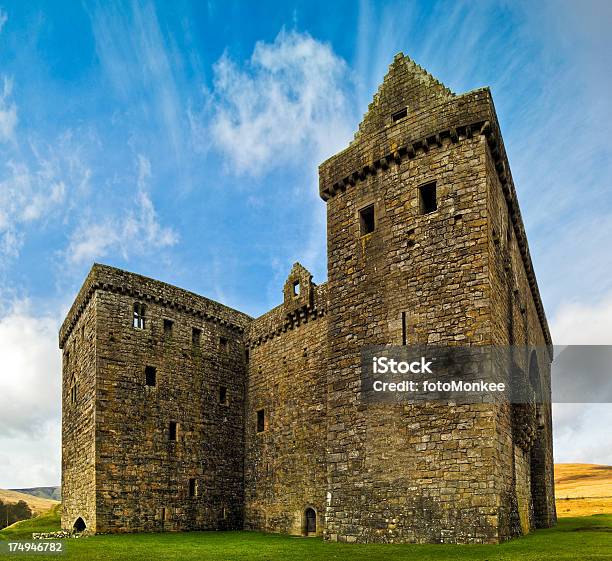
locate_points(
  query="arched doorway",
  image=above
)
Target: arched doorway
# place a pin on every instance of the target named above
(310, 522)
(79, 525)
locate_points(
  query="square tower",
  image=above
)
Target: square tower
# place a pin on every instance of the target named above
(416, 208)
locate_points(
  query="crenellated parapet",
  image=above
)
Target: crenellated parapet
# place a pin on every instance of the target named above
(141, 288)
(304, 301)
(454, 120)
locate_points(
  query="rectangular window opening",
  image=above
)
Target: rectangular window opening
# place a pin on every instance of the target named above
(196, 336)
(399, 114)
(168, 326)
(366, 220)
(223, 343)
(139, 315)
(427, 198)
(296, 288)
(172, 431)
(404, 335)
(223, 395)
(150, 376)
(193, 487)
(261, 420)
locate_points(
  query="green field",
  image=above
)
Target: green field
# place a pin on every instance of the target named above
(584, 539)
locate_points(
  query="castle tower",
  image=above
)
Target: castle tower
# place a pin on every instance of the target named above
(152, 409)
(426, 245)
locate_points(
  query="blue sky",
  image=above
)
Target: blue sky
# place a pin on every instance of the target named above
(181, 141)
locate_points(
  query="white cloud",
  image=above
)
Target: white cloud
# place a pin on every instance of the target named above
(135, 231)
(33, 461)
(8, 109)
(288, 101)
(30, 396)
(583, 324)
(29, 371)
(582, 430)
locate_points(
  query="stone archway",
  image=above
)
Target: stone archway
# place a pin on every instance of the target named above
(79, 525)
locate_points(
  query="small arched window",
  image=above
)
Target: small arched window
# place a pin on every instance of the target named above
(139, 315)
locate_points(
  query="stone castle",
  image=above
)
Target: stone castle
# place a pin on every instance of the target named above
(180, 413)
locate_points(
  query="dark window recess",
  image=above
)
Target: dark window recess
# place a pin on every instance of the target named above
(366, 220)
(404, 331)
(168, 326)
(73, 393)
(246, 354)
(173, 430)
(223, 395)
(223, 513)
(196, 336)
(223, 344)
(150, 376)
(139, 315)
(261, 420)
(193, 488)
(399, 114)
(427, 198)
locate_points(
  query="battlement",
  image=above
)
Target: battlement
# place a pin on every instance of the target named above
(111, 279)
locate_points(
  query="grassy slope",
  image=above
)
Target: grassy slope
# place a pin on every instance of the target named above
(37, 504)
(583, 489)
(586, 538)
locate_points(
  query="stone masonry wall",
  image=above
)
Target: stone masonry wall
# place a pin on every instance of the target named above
(525, 473)
(78, 422)
(285, 463)
(420, 473)
(142, 476)
(434, 271)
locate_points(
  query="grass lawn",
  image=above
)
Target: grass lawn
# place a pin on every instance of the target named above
(583, 539)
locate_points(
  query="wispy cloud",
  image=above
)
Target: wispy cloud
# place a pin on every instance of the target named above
(27, 194)
(8, 111)
(139, 61)
(135, 231)
(289, 100)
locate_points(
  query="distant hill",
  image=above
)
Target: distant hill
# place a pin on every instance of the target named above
(38, 505)
(53, 493)
(583, 489)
